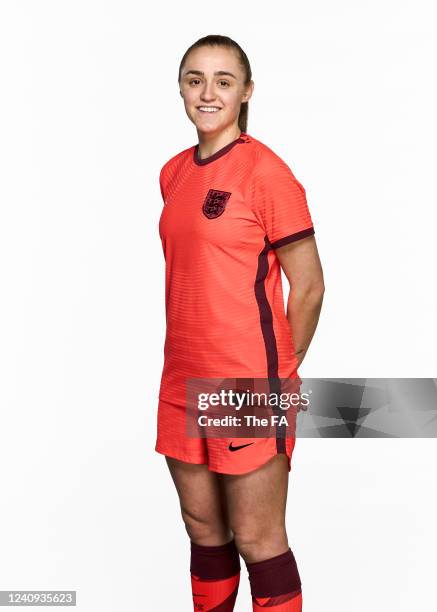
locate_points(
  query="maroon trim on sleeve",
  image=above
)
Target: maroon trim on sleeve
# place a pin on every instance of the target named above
(201, 162)
(293, 237)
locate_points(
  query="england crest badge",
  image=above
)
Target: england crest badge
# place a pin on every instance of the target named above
(215, 203)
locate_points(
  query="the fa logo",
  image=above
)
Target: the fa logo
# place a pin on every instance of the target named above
(215, 203)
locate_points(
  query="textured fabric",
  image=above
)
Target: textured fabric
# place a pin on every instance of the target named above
(213, 318)
(173, 441)
(215, 577)
(222, 219)
(275, 584)
(290, 602)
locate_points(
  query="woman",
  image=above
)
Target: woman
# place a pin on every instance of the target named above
(233, 215)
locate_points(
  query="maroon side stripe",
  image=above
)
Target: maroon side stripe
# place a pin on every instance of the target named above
(266, 320)
(265, 311)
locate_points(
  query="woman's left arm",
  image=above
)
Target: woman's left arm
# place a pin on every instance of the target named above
(301, 264)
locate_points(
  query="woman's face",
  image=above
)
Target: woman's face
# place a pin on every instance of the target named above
(213, 77)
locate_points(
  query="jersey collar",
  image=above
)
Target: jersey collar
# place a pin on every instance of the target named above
(243, 137)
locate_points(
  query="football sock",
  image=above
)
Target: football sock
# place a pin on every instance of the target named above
(215, 577)
(275, 584)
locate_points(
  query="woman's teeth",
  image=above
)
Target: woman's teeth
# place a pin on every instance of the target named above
(208, 109)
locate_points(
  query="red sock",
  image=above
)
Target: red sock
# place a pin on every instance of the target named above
(275, 584)
(215, 577)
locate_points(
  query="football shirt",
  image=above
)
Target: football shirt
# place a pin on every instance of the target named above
(222, 220)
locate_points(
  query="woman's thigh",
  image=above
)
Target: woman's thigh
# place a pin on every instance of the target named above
(202, 505)
(256, 505)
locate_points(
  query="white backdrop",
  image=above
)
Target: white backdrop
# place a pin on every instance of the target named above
(90, 111)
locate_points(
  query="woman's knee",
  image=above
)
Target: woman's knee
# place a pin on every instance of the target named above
(205, 530)
(259, 542)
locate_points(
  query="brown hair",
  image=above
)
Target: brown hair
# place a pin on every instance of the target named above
(225, 41)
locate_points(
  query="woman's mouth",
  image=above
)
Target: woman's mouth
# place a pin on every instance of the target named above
(208, 109)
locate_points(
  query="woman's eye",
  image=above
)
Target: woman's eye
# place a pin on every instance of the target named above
(195, 81)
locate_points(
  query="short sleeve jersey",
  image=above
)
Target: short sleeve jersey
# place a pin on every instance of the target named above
(223, 219)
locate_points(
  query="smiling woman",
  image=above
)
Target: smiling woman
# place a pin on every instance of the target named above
(216, 84)
(233, 215)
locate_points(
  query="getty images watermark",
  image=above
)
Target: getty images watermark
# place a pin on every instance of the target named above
(243, 407)
(311, 407)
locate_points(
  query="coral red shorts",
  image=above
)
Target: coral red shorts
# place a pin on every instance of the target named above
(224, 455)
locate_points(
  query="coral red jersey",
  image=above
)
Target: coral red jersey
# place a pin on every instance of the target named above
(223, 218)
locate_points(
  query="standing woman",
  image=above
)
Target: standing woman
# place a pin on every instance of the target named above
(233, 215)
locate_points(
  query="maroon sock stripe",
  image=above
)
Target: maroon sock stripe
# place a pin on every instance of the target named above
(278, 600)
(273, 577)
(214, 562)
(227, 605)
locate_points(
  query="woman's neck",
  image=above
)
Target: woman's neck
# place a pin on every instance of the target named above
(211, 143)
